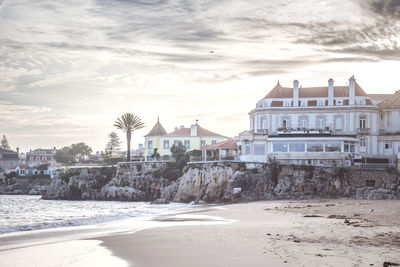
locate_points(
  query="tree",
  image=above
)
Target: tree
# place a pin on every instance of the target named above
(178, 150)
(64, 155)
(179, 153)
(69, 154)
(81, 151)
(155, 154)
(114, 144)
(128, 123)
(4, 143)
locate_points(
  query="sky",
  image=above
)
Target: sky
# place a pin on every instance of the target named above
(70, 68)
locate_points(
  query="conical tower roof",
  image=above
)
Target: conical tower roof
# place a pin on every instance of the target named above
(157, 130)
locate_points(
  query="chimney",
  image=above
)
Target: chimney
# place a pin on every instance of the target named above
(17, 150)
(176, 128)
(330, 92)
(352, 90)
(295, 93)
(182, 126)
(193, 130)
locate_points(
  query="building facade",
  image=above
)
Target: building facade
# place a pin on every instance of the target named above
(41, 156)
(8, 159)
(330, 125)
(192, 138)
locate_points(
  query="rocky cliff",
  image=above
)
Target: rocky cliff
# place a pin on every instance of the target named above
(24, 186)
(224, 182)
(129, 182)
(230, 182)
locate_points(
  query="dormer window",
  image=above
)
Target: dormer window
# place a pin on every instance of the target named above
(339, 102)
(303, 103)
(362, 102)
(321, 103)
(287, 103)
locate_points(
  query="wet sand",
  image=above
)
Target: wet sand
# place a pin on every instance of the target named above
(284, 233)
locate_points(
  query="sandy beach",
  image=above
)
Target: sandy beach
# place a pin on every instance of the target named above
(268, 233)
(286, 233)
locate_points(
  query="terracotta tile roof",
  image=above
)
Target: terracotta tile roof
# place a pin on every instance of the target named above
(310, 92)
(200, 132)
(228, 144)
(20, 166)
(391, 103)
(379, 96)
(157, 130)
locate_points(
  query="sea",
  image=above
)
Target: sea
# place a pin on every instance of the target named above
(24, 213)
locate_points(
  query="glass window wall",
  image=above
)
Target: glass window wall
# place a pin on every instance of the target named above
(280, 146)
(315, 147)
(297, 146)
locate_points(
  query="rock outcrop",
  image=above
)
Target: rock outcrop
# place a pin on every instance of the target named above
(223, 182)
(80, 184)
(235, 182)
(24, 186)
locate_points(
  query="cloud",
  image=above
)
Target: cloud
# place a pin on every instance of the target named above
(386, 8)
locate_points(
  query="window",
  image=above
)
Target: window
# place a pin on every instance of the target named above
(321, 123)
(213, 142)
(333, 147)
(202, 143)
(339, 102)
(31, 158)
(303, 103)
(315, 147)
(37, 158)
(187, 144)
(349, 147)
(303, 123)
(259, 149)
(321, 103)
(247, 147)
(150, 144)
(297, 146)
(362, 143)
(388, 146)
(176, 142)
(263, 123)
(11, 163)
(338, 123)
(44, 158)
(280, 146)
(287, 103)
(166, 144)
(362, 123)
(362, 102)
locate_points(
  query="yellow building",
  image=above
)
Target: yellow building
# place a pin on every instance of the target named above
(193, 138)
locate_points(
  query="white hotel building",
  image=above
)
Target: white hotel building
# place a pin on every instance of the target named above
(330, 125)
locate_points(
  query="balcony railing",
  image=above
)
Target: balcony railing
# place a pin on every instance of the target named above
(363, 130)
(262, 131)
(303, 131)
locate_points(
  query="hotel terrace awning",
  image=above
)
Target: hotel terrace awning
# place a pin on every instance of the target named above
(224, 149)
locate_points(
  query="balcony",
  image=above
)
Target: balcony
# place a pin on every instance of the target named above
(363, 130)
(262, 131)
(303, 131)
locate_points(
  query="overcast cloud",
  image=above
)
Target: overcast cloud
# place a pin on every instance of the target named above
(69, 68)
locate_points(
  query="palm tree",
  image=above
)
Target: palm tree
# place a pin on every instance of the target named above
(128, 123)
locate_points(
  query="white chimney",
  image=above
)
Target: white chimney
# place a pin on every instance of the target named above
(352, 90)
(295, 93)
(330, 92)
(193, 130)
(182, 127)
